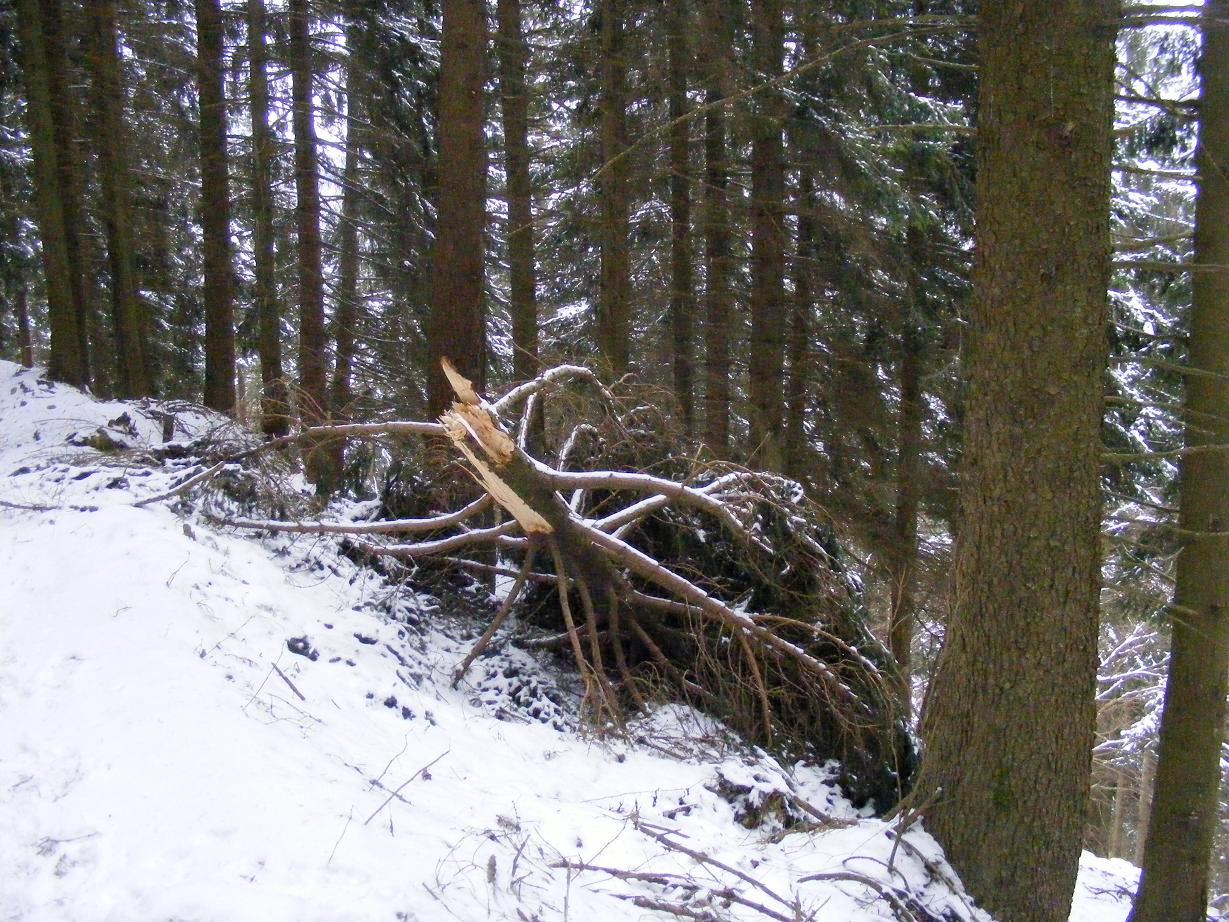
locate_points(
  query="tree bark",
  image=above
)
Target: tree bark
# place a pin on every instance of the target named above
(457, 328)
(313, 396)
(346, 313)
(513, 55)
(767, 358)
(909, 472)
(25, 341)
(131, 367)
(682, 299)
(718, 294)
(797, 385)
(274, 395)
(67, 362)
(614, 300)
(218, 291)
(1175, 874)
(1010, 721)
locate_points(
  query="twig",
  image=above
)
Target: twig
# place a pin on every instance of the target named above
(288, 682)
(388, 800)
(499, 618)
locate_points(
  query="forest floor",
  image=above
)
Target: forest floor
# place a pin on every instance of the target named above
(199, 725)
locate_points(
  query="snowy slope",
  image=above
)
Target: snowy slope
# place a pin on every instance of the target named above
(196, 725)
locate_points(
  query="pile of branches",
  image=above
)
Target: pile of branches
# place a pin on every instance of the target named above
(715, 585)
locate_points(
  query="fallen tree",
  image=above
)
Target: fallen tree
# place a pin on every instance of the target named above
(717, 585)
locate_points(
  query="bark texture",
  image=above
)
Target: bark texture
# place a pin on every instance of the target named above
(1174, 883)
(218, 291)
(1009, 726)
(457, 327)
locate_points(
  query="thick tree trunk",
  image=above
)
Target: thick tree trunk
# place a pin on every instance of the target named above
(682, 299)
(718, 294)
(313, 397)
(67, 362)
(1174, 884)
(457, 328)
(1010, 720)
(513, 55)
(218, 292)
(614, 299)
(274, 395)
(767, 359)
(131, 368)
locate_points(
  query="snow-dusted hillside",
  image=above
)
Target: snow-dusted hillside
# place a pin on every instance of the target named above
(196, 725)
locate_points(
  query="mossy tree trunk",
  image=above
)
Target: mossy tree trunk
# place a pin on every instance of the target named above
(1010, 721)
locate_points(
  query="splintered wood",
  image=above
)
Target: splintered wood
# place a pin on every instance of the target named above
(469, 419)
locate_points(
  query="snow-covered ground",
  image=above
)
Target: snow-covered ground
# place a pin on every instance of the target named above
(199, 725)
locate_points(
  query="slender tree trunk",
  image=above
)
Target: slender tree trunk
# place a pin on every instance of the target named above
(25, 341)
(1010, 719)
(614, 301)
(718, 294)
(274, 395)
(682, 298)
(799, 345)
(767, 360)
(131, 367)
(66, 362)
(218, 291)
(457, 327)
(908, 471)
(346, 313)
(513, 56)
(1174, 881)
(1143, 806)
(1117, 815)
(313, 397)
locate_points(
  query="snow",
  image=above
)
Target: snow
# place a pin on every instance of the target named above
(200, 725)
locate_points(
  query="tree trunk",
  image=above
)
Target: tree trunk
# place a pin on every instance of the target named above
(67, 362)
(25, 341)
(904, 551)
(218, 292)
(718, 294)
(313, 396)
(1010, 721)
(767, 359)
(799, 348)
(274, 395)
(346, 312)
(513, 57)
(131, 368)
(682, 300)
(1174, 881)
(457, 328)
(614, 301)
